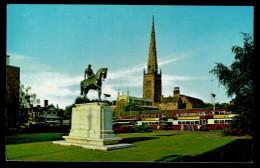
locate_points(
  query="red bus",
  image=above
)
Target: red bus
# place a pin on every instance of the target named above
(158, 121)
(202, 119)
(125, 120)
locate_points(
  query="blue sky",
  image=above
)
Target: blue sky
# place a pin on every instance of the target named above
(53, 44)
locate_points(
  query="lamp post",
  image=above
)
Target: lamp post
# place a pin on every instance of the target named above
(27, 97)
(106, 95)
(213, 96)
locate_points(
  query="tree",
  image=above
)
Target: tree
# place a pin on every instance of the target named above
(25, 97)
(79, 100)
(68, 111)
(238, 81)
(131, 106)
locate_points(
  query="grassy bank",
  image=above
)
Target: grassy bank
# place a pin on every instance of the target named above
(158, 146)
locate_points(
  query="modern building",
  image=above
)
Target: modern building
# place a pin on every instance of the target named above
(12, 93)
(178, 101)
(152, 83)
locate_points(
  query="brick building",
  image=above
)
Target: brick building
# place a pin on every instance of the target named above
(152, 83)
(179, 101)
(12, 94)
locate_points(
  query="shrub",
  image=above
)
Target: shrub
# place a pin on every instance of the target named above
(141, 128)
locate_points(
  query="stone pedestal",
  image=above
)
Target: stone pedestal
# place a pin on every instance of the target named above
(91, 127)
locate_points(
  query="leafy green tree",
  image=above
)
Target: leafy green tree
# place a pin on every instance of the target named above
(131, 106)
(68, 111)
(208, 105)
(26, 97)
(238, 81)
(79, 100)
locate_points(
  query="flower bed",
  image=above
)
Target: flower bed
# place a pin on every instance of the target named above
(132, 129)
(236, 132)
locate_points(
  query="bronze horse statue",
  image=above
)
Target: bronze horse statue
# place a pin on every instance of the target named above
(94, 83)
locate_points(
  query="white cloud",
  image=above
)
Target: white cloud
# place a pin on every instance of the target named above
(49, 82)
(174, 57)
(166, 77)
(62, 89)
(52, 85)
(19, 56)
(133, 77)
(122, 73)
(58, 87)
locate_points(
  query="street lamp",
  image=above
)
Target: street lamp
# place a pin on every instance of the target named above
(27, 97)
(106, 95)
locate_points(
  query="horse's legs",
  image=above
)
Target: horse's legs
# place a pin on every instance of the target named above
(99, 94)
(81, 89)
(85, 95)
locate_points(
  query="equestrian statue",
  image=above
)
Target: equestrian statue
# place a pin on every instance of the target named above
(93, 81)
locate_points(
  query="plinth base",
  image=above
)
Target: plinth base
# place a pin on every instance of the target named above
(91, 128)
(92, 141)
(95, 147)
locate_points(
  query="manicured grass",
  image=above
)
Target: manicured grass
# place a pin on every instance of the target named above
(158, 146)
(29, 138)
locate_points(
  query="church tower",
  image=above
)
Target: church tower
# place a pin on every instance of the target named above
(152, 84)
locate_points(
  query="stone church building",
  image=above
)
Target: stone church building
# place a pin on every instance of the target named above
(152, 89)
(152, 83)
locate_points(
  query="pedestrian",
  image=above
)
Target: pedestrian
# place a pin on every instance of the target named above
(189, 127)
(198, 127)
(182, 128)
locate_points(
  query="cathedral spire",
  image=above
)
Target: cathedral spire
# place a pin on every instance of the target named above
(152, 83)
(152, 62)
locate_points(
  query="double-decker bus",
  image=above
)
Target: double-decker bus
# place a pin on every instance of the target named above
(193, 118)
(202, 119)
(125, 120)
(156, 121)
(219, 119)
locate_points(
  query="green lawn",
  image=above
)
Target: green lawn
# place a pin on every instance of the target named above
(158, 146)
(28, 138)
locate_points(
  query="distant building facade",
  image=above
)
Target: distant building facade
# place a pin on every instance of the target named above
(43, 115)
(178, 101)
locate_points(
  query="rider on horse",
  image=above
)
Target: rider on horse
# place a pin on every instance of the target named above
(89, 72)
(90, 75)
